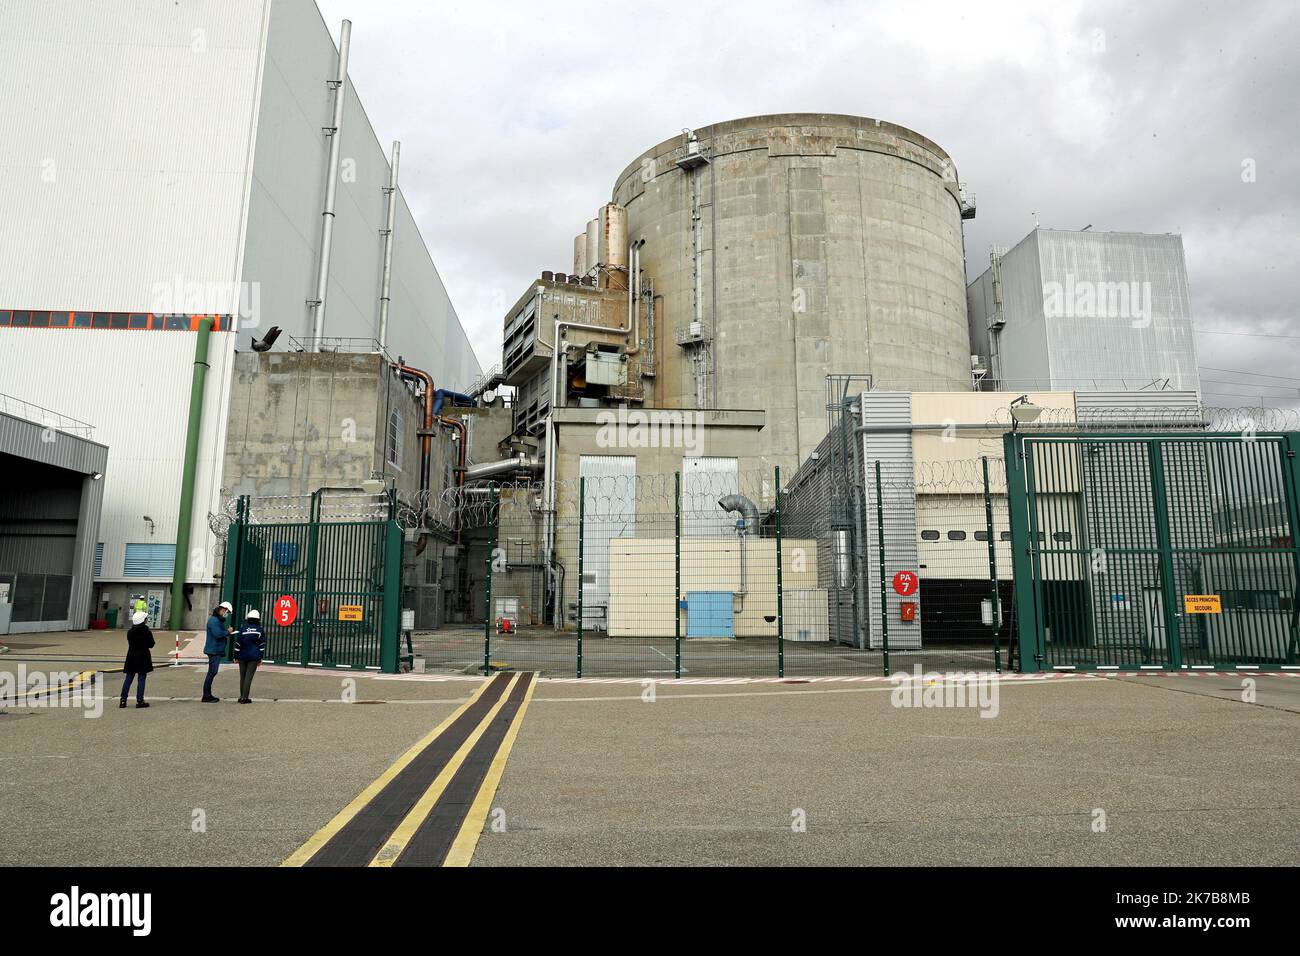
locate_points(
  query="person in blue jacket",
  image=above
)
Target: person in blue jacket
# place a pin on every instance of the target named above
(215, 647)
(250, 646)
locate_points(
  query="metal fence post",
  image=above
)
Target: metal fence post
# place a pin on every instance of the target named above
(313, 549)
(880, 540)
(582, 525)
(993, 568)
(780, 590)
(1160, 503)
(487, 582)
(1025, 641)
(677, 574)
(390, 634)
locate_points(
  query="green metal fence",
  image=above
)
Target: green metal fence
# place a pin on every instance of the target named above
(1162, 551)
(328, 591)
(650, 576)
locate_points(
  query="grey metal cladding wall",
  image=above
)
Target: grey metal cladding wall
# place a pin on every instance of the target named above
(1174, 407)
(898, 501)
(1022, 344)
(35, 442)
(979, 308)
(1137, 326)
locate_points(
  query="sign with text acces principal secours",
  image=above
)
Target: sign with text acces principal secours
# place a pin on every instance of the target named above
(1202, 604)
(351, 612)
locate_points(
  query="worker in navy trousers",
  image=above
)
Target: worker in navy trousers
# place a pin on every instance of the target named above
(250, 646)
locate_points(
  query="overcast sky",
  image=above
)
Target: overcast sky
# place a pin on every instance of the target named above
(515, 119)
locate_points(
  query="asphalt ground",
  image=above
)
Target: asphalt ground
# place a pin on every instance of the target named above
(1184, 771)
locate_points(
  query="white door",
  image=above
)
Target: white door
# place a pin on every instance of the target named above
(704, 481)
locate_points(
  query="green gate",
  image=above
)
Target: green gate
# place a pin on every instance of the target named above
(1162, 551)
(343, 579)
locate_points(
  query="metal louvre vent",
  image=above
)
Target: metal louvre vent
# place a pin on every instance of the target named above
(149, 561)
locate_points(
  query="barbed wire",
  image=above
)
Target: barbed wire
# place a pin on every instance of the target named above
(611, 497)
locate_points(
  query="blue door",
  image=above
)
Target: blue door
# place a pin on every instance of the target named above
(709, 614)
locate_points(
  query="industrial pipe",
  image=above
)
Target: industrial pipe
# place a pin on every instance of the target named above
(442, 394)
(385, 296)
(747, 526)
(520, 462)
(426, 439)
(331, 186)
(181, 564)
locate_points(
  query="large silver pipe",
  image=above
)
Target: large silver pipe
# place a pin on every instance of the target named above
(331, 185)
(385, 295)
(520, 462)
(749, 525)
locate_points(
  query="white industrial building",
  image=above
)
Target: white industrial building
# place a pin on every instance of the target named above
(1078, 309)
(167, 163)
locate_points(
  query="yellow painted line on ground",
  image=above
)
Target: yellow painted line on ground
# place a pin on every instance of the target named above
(81, 678)
(406, 830)
(322, 836)
(462, 848)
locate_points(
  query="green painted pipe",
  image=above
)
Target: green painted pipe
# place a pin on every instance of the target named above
(182, 564)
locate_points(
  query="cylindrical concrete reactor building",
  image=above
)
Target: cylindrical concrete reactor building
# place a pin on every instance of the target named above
(788, 247)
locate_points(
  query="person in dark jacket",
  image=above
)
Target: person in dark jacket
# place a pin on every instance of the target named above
(215, 647)
(139, 662)
(250, 646)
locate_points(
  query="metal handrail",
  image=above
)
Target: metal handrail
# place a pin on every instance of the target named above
(46, 417)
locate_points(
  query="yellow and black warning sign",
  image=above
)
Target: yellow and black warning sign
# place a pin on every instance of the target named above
(351, 612)
(1202, 604)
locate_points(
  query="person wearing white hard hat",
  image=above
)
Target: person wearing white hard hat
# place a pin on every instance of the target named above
(250, 646)
(139, 662)
(215, 647)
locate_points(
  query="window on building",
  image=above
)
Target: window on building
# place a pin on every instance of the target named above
(149, 561)
(1004, 535)
(956, 535)
(1063, 536)
(394, 443)
(929, 536)
(981, 535)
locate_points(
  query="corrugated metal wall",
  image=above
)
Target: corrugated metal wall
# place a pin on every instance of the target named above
(898, 498)
(131, 165)
(59, 525)
(287, 192)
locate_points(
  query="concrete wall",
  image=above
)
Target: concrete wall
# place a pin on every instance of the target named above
(828, 244)
(302, 420)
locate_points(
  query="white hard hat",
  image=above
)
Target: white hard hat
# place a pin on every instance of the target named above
(254, 615)
(226, 605)
(139, 617)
